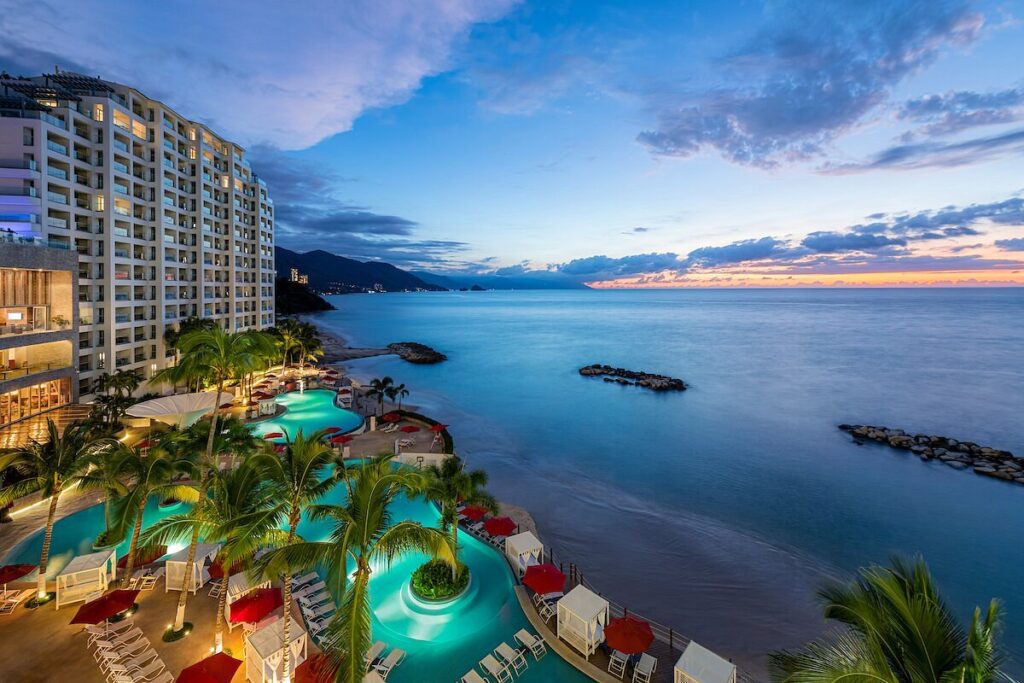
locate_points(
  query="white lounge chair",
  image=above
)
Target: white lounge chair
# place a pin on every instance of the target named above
(512, 657)
(374, 652)
(141, 674)
(472, 677)
(324, 610)
(305, 579)
(534, 643)
(644, 669)
(216, 587)
(148, 581)
(617, 664)
(314, 600)
(394, 658)
(10, 603)
(546, 611)
(309, 589)
(500, 673)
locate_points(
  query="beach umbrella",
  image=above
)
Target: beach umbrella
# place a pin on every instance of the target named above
(500, 526)
(148, 556)
(628, 635)
(344, 438)
(145, 443)
(279, 447)
(409, 429)
(438, 428)
(474, 512)
(218, 668)
(217, 568)
(255, 606)
(390, 417)
(273, 435)
(261, 396)
(316, 669)
(544, 578)
(344, 391)
(13, 572)
(106, 606)
(333, 430)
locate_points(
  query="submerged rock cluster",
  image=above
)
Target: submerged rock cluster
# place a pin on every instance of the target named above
(633, 378)
(990, 462)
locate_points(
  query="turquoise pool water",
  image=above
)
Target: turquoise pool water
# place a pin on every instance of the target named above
(309, 411)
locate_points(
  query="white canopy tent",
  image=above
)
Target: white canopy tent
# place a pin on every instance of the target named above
(175, 564)
(238, 587)
(264, 652)
(267, 406)
(582, 616)
(700, 665)
(179, 410)
(523, 550)
(85, 575)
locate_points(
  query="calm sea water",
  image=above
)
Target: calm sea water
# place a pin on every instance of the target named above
(720, 509)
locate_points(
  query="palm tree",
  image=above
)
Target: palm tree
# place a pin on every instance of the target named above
(363, 537)
(230, 495)
(218, 356)
(451, 484)
(132, 478)
(898, 630)
(379, 387)
(51, 467)
(401, 393)
(297, 478)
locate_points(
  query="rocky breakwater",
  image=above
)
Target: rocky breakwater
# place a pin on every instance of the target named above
(633, 378)
(961, 455)
(414, 352)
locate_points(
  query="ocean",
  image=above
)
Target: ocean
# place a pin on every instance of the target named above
(720, 509)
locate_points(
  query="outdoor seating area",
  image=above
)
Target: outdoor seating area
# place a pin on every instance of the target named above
(494, 531)
(85, 577)
(315, 603)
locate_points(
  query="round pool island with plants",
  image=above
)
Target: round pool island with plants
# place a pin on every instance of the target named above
(436, 581)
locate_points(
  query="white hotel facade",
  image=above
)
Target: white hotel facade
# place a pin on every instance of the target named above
(167, 218)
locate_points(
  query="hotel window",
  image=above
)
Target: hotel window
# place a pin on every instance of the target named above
(97, 112)
(100, 203)
(28, 137)
(192, 152)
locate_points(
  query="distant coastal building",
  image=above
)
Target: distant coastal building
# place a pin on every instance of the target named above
(298, 277)
(38, 327)
(166, 217)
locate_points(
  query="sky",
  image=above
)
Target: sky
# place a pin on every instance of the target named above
(632, 144)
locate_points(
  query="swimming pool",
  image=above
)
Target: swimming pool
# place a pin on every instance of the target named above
(308, 411)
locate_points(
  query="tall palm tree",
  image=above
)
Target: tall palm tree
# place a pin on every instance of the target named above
(219, 356)
(297, 478)
(51, 467)
(451, 484)
(230, 495)
(379, 387)
(363, 537)
(401, 392)
(898, 630)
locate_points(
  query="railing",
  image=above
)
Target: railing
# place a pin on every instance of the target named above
(15, 238)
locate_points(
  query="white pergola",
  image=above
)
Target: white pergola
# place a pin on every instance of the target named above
(582, 616)
(85, 575)
(700, 665)
(179, 410)
(238, 587)
(175, 564)
(264, 652)
(523, 550)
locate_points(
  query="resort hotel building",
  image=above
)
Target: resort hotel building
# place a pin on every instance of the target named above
(119, 218)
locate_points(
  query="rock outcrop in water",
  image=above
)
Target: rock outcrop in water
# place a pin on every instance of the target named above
(417, 353)
(633, 378)
(990, 462)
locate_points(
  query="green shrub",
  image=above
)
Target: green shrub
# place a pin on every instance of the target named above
(433, 580)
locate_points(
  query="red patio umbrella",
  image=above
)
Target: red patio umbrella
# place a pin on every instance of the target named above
(104, 607)
(344, 391)
(344, 438)
(273, 435)
(13, 572)
(628, 635)
(438, 428)
(261, 396)
(390, 417)
(500, 526)
(225, 406)
(255, 606)
(145, 443)
(333, 430)
(474, 512)
(316, 669)
(544, 578)
(409, 429)
(217, 568)
(279, 447)
(151, 555)
(218, 668)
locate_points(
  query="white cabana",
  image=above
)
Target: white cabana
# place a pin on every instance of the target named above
(523, 550)
(268, 406)
(582, 616)
(264, 651)
(179, 410)
(85, 575)
(175, 564)
(700, 665)
(238, 587)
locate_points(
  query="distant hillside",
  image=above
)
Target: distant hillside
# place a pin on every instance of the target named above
(332, 274)
(291, 298)
(540, 280)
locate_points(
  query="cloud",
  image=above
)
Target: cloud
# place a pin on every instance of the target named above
(1013, 244)
(605, 267)
(955, 111)
(829, 242)
(323, 63)
(814, 74)
(936, 154)
(737, 252)
(636, 231)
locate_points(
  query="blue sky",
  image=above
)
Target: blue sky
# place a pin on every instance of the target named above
(629, 143)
